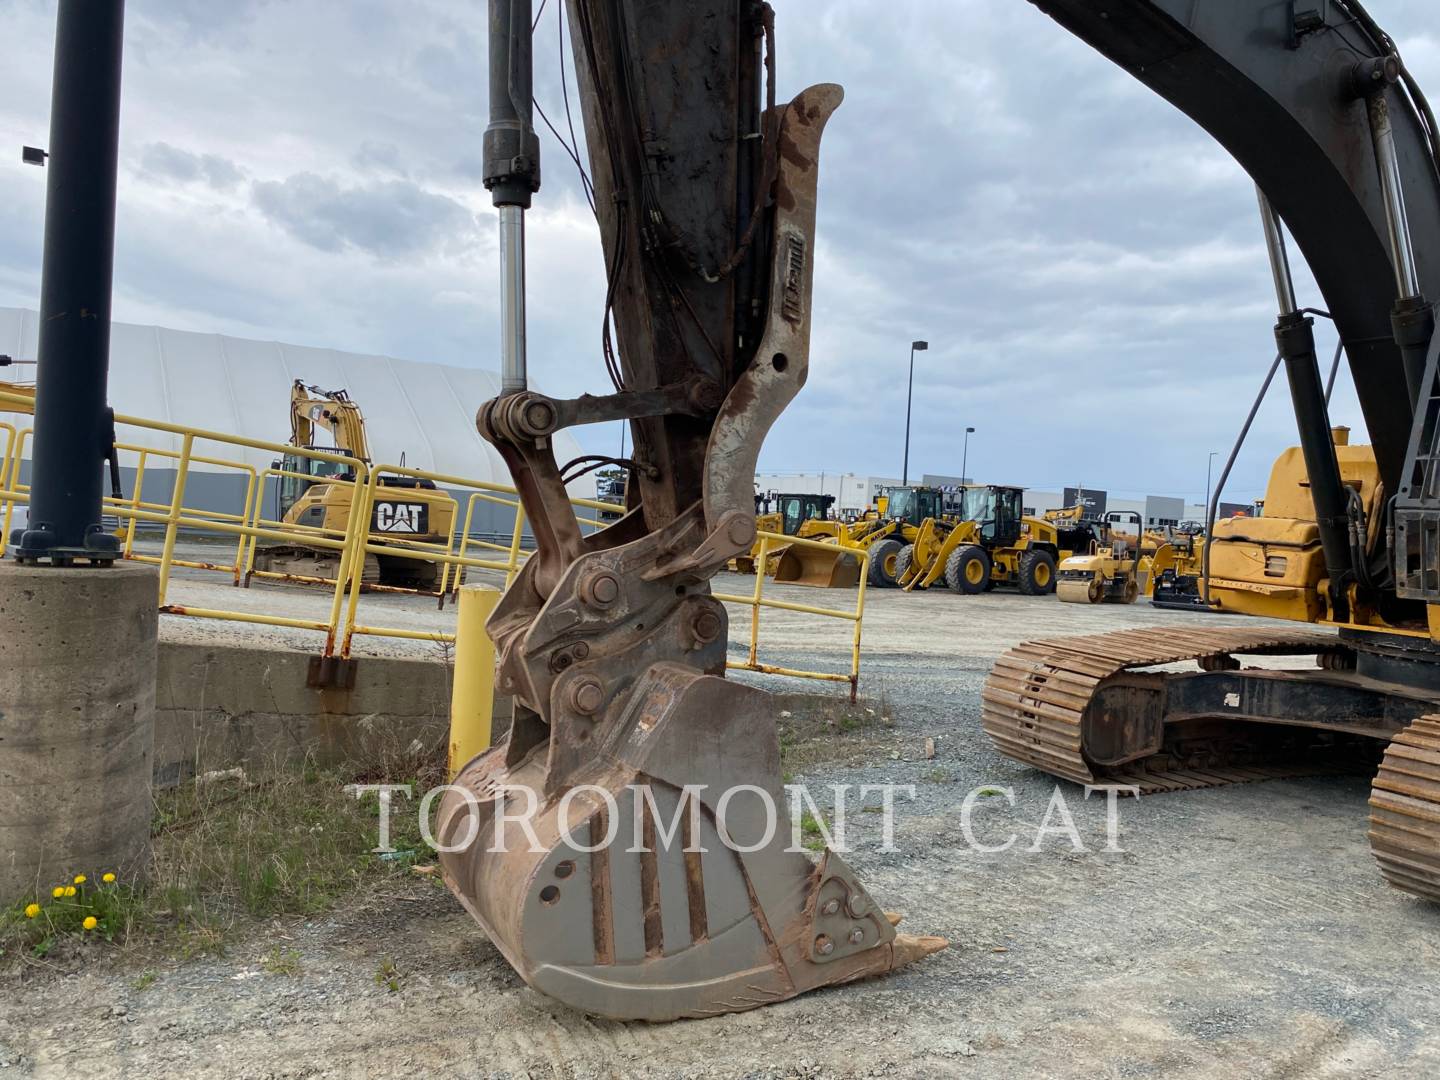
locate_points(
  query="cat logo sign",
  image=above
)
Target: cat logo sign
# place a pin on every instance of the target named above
(405, 519)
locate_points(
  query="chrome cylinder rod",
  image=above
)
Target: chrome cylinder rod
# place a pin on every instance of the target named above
(1279, 258)
(512, 299)
(1397, 220)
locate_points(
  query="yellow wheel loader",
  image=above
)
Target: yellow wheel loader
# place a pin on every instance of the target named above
(884, 532)
(995, 543)
(906, 512)
(1118, 572)
(802, 515)
(319, 496)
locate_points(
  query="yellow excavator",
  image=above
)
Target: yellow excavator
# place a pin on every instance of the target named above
(316, 495)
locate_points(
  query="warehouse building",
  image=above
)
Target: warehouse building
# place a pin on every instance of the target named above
(417, 414)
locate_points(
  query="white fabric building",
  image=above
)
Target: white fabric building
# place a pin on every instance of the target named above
(422, 412)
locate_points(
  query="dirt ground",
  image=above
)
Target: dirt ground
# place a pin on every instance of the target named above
(1240, 932)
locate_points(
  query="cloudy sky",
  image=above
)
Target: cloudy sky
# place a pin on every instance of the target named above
(1085, 263)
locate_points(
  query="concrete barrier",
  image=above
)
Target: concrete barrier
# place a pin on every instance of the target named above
(225, 706)
(77, 712)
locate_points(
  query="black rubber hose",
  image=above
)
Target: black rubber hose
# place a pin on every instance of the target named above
(1225, 475)
(1334, 370)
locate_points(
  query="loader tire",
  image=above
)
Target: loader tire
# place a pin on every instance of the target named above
(968, 570)
(1037, 573)
(904, 559)
(883, 558)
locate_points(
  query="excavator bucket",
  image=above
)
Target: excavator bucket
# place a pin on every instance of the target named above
(646, 892)
(805, 565)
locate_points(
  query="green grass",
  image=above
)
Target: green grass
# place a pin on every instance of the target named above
(388, 975)
(292, 843)
(810, 832)
(819, 737)
(281, 962)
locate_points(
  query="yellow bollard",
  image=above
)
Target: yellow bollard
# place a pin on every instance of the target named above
(472, 697)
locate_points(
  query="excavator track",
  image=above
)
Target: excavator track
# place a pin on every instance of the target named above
(1405, 810)
(1035, 697)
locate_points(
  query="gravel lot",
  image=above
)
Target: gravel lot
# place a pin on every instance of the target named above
(1240, 932)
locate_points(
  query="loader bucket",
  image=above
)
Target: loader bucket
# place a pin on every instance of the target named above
(803, 565)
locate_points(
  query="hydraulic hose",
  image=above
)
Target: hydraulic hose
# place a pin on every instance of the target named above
(1225, 474)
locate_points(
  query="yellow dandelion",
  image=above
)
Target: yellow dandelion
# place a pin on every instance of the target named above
(57, 892)
(79, 879)
(32, 911)
(90, 922)
(70, 890)
(108, 879)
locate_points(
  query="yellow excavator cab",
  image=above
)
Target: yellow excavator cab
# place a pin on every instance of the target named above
(1273, 565)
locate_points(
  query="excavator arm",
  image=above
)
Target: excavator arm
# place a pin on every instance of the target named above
(329, 410)
(614, 650)
(704, 186)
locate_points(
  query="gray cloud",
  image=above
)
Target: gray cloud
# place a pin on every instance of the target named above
(379, 157)
(389, 218)
(161, 160)
(1084, 260)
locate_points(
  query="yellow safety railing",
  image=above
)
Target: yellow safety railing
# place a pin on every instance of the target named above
(758, 600)
(10, 473)
(451, 562)
(136, 502)
(513, 551)
(395, 545)
(459, 553)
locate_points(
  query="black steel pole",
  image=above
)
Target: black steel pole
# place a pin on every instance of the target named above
(909, 396)
(74, 431)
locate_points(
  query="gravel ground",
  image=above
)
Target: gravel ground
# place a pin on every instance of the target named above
(1240, 932)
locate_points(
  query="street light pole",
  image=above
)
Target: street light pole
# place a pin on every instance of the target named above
(74, 430)
(1209, 463)
(965, 457)
(915, 346)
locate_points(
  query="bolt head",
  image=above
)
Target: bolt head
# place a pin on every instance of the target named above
(857, 936)
(602, 590)
(824, 946)
(539, 417)
(581, 650)
(830, 907)
(858, 907)
(587, 696)
(742, 530)
(706, 626)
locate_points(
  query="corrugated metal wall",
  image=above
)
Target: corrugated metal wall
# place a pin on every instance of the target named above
(425, 412)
